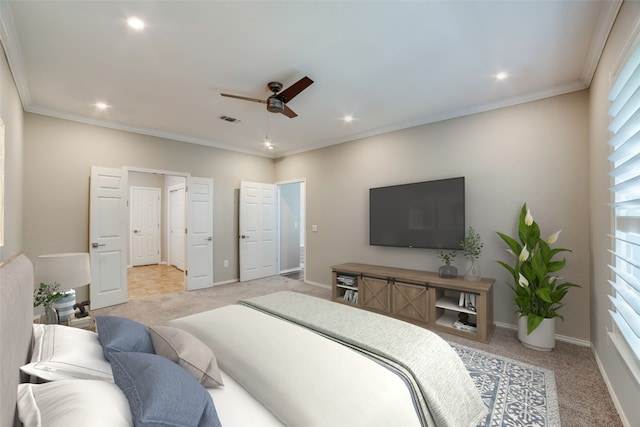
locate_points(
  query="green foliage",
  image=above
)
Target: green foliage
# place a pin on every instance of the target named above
(537, 292)
(447, 257)
(472, 244)
(46, 294)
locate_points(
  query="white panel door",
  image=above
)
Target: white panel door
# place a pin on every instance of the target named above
(108, 236)
(145, 226)
(258, 230)
(199, 233)
(177, 226)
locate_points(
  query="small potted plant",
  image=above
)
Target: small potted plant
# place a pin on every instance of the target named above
(471, 247)
(46, 295)
(447, 271)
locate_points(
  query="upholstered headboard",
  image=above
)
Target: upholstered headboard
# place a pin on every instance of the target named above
(16, 320)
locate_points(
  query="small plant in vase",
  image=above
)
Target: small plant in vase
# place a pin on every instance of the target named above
(447, 271)
(471, 247)
(46, 295)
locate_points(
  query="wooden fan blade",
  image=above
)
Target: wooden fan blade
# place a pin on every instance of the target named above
(244, 98)
(288, 112)
(290, 92)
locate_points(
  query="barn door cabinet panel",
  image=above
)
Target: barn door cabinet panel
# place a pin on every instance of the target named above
(410, 302)
(376, 293)
(454, 305)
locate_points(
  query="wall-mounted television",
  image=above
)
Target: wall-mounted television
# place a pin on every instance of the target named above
(419, 215)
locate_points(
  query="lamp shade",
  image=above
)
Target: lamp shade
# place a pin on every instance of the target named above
(70, 270)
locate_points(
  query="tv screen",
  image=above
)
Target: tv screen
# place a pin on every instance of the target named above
(420, 215)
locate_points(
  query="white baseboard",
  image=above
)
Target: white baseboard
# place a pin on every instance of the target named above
(614, 398)
(321, 285)
(563, 338)
(224, 282)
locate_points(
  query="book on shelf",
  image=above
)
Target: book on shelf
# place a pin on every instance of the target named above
(350, 295)
(468, 327)
(347, 280)
(467, 300)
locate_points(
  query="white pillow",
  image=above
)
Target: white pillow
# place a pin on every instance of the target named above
(73, 402)
(62, 352)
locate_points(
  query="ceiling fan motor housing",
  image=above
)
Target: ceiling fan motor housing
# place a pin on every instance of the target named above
(274, 104)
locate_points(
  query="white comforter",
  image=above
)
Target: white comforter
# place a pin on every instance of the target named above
(303, 378)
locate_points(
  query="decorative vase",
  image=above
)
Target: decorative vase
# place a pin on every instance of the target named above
(472, 270)
(448, 272)
(64, 306)
(542, 338)
(50, 316)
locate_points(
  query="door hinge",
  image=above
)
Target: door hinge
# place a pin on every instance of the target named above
(185, 231)
(186, 272)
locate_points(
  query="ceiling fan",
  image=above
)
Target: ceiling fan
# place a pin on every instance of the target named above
(276, 103)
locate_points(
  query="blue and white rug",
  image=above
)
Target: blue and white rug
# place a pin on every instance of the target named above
(518, 394)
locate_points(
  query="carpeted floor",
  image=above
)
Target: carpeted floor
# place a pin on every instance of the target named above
(582, 394)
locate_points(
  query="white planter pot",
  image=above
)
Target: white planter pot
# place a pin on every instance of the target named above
(542, 338)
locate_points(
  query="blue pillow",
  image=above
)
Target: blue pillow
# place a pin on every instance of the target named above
(161, 392)
(118, 334)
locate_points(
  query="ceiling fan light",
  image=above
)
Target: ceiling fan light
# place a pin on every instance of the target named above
(274, 105)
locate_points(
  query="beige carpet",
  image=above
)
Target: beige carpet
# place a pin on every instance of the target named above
(582, 394)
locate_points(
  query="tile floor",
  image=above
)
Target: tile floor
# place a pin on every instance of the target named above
(149, 280)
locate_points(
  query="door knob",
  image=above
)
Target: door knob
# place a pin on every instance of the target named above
(136, 231)
(209, 238)
(95, 245)
(242, 236)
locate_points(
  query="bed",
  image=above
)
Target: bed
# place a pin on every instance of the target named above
(281, 359)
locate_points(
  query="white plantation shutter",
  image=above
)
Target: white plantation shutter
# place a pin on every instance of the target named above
(625, 175)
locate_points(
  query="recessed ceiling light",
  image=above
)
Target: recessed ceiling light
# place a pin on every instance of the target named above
(135, 23)
(101, 106)
(502, 75)
(267, 143)
(348, 119)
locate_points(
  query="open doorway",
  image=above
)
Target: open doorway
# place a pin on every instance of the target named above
(156, 227)
(291, 213)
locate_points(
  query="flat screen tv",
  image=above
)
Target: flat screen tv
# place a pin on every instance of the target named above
(420, 215)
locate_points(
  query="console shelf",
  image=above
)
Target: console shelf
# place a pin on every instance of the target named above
(420, 297)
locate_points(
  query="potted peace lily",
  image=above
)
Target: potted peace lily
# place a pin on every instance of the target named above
(538, 292)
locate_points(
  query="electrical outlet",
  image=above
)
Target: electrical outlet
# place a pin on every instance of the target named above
(226, 263)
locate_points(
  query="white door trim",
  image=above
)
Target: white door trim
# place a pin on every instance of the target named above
(170, 214)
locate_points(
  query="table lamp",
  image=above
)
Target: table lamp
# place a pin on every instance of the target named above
(71, 271)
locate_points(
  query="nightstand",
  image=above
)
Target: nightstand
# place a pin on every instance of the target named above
(81, 322)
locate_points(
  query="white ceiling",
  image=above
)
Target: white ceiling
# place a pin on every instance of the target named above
(390, 64)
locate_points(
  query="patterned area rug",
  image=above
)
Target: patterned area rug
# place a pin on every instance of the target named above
(520, 394)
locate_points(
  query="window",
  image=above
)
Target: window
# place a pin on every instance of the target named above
(625, 176)
(1, 183)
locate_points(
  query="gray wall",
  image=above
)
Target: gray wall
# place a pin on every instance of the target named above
(12, 115)
(59, 155)
(535, 153)
(625, 389)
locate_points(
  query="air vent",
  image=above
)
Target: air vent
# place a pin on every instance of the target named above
(229, 119)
